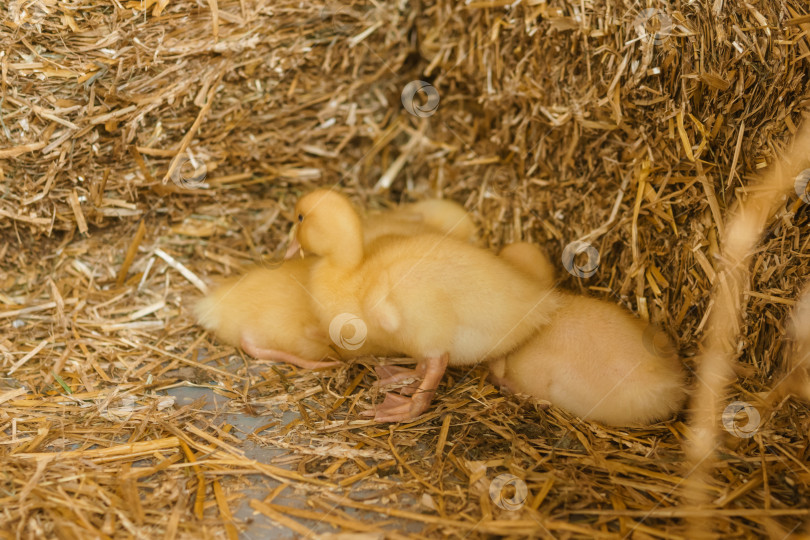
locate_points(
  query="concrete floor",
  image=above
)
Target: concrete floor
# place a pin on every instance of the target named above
(258, 525)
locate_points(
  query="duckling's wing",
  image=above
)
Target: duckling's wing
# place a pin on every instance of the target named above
(415, 315)
(380, 306)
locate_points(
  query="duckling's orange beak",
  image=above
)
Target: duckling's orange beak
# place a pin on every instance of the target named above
(294, 249)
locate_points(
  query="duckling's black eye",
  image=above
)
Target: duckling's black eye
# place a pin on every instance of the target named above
(300, 218)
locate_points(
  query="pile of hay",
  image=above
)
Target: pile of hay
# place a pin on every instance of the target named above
(632, 127)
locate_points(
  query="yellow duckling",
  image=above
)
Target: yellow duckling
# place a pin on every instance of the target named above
(595, 359)
(433, 297)
(428, 216)
(531, 259)
(267, 311)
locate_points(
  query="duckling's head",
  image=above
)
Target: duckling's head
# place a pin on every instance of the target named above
(328, 226)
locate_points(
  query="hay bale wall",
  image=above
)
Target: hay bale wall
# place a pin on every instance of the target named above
(546, 113)
(556, 121)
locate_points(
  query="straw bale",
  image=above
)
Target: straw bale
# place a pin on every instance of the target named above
(149, 146)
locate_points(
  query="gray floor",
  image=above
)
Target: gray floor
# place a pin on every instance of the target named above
(258, 525)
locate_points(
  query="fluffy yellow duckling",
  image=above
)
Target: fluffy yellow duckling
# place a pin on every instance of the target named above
(595, 359)
(428, 216)
(433, 297)
(531, 259)
(267, 311)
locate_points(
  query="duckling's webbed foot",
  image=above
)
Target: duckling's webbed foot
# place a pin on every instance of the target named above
(397, 408)
(390, 375)
(281, 356)
(497, 374)
(392, 401)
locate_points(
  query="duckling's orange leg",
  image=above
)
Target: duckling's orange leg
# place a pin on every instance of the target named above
(401, 409)
(281, 356)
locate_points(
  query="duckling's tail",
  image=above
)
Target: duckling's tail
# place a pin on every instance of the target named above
(655, 396)
(211, 310)
(206, 313)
